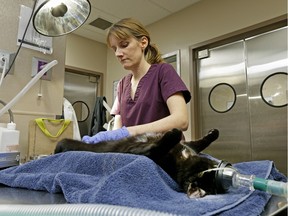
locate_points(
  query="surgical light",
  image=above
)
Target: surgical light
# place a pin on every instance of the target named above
(59, 17)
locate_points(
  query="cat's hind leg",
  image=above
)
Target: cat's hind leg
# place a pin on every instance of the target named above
(169, 140)
(201, 144)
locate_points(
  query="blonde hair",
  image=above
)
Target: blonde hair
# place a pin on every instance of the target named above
(127, 28)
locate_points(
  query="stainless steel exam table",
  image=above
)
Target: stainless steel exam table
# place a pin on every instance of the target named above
(17, 196)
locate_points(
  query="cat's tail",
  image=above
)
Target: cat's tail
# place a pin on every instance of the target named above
(204, 142)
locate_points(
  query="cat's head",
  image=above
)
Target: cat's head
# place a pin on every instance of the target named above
(198, 176)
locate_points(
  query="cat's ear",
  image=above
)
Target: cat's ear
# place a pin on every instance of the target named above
(201, 144)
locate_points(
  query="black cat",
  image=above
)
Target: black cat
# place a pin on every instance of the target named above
(178, 158)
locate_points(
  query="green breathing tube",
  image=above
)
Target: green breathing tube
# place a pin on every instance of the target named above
(226, 176)
(270, 186)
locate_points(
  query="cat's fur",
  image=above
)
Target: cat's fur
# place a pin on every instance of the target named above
(178, 158)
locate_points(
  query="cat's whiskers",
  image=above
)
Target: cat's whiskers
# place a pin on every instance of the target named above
(213, 169)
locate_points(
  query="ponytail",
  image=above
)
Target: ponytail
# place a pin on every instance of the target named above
(152, 54)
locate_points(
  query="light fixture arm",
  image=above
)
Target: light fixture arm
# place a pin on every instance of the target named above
(28, 86)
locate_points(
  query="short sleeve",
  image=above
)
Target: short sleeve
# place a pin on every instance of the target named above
(171, 83)
(116, 107)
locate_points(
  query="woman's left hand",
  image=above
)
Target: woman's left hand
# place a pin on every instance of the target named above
(107, 136)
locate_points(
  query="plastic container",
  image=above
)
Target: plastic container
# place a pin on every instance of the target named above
(9, 138)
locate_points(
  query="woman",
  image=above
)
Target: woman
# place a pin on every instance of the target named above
(152, 97)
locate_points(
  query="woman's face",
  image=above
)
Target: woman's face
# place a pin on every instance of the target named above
(130, 52)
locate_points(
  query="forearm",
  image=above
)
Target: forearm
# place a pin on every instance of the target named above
(117, 122)
(162, 125)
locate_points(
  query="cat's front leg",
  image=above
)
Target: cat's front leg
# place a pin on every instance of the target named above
(67, 145)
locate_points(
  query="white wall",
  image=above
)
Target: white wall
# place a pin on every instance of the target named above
(86, 54)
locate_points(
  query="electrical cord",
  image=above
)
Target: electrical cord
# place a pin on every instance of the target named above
(13, 61)
(4, 60)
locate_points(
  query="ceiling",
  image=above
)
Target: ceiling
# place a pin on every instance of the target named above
(146, 11)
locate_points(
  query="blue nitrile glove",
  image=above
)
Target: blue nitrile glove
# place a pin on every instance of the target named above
(107, 136)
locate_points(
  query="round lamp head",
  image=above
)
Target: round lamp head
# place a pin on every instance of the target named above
(59, 17)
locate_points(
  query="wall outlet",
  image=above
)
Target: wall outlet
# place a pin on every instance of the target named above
(6, 58)
(37, 66)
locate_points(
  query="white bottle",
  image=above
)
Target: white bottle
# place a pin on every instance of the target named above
(9, 137)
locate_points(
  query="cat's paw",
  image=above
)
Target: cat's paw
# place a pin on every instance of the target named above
(195, 192)
(63, 145)
(212, 135)
(174, 135)
(177, 132)
(168, 141)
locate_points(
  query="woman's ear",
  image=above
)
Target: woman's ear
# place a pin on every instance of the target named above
(144, 42)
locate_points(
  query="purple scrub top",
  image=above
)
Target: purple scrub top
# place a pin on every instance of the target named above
(149, 103)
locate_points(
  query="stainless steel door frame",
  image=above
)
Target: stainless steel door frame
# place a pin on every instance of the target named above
(250, 129)
(81, 88)
(226, 65)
